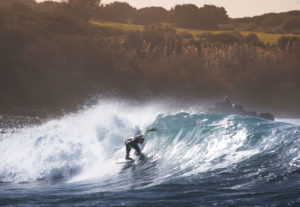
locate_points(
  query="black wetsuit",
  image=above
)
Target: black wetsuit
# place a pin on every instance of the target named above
(132, 143)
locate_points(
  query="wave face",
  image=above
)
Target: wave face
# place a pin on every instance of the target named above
(191, 159)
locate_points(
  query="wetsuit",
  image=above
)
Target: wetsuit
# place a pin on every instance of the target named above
(132, 143)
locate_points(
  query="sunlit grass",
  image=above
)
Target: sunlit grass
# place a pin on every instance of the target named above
(269, 38)
(264, 37)
(125, 27)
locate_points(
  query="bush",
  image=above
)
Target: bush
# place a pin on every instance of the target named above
(287, 42)
(227, 38)
(186, 35)
(253, 40)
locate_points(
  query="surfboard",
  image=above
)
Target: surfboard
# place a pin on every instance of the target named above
(125, 162)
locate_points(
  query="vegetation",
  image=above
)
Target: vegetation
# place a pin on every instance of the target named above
(190, 16)
(271, 39)
(53, 56)
(286, 22)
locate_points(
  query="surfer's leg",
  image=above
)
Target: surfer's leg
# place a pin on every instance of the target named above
(128, 148)
(137, 149)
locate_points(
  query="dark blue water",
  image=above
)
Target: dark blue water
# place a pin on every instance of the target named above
(193, 159)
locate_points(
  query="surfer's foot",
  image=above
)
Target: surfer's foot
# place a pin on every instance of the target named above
(128, 158)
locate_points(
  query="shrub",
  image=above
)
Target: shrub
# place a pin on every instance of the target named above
(186, 35)
(227, 38)
(253, 40)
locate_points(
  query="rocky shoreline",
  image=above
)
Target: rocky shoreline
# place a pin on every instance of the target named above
(228, 108)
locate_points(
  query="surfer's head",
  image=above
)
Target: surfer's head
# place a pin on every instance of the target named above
(141, 139)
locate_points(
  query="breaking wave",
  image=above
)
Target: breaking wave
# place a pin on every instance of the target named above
(187, 148)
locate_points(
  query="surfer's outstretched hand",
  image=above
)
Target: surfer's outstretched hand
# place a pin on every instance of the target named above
(150, 130)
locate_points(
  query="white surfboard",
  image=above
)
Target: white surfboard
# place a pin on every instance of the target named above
(125, 161)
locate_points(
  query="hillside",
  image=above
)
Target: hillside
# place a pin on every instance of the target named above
(53, 57)
(285, 22)
(266, 38)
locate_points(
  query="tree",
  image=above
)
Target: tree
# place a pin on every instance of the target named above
(291, 24)
(118, 11)
(85, 4)
(150, 15)
(207, 17)
(185, 15)
(287, 42)
(211, 16)
(84, 8)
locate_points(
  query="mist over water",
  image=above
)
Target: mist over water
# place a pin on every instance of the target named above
(192, 158)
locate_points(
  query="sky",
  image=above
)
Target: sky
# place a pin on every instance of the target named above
(234, 8)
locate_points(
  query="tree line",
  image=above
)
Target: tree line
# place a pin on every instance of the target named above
(186, 16)
(193, 17)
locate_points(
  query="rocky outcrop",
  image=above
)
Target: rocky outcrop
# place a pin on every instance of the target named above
(226, 107)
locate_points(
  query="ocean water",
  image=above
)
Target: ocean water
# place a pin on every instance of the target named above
(192, 159)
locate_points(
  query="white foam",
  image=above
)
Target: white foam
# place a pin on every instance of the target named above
(85, 142)
(291, 121)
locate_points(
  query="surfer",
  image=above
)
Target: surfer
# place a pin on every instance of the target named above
(133, 143)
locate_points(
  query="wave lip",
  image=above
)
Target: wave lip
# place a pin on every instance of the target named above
(189, 144)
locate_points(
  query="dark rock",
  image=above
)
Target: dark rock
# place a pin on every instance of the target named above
(227, 108)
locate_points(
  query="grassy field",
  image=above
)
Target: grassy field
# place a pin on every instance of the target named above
(264, 37)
